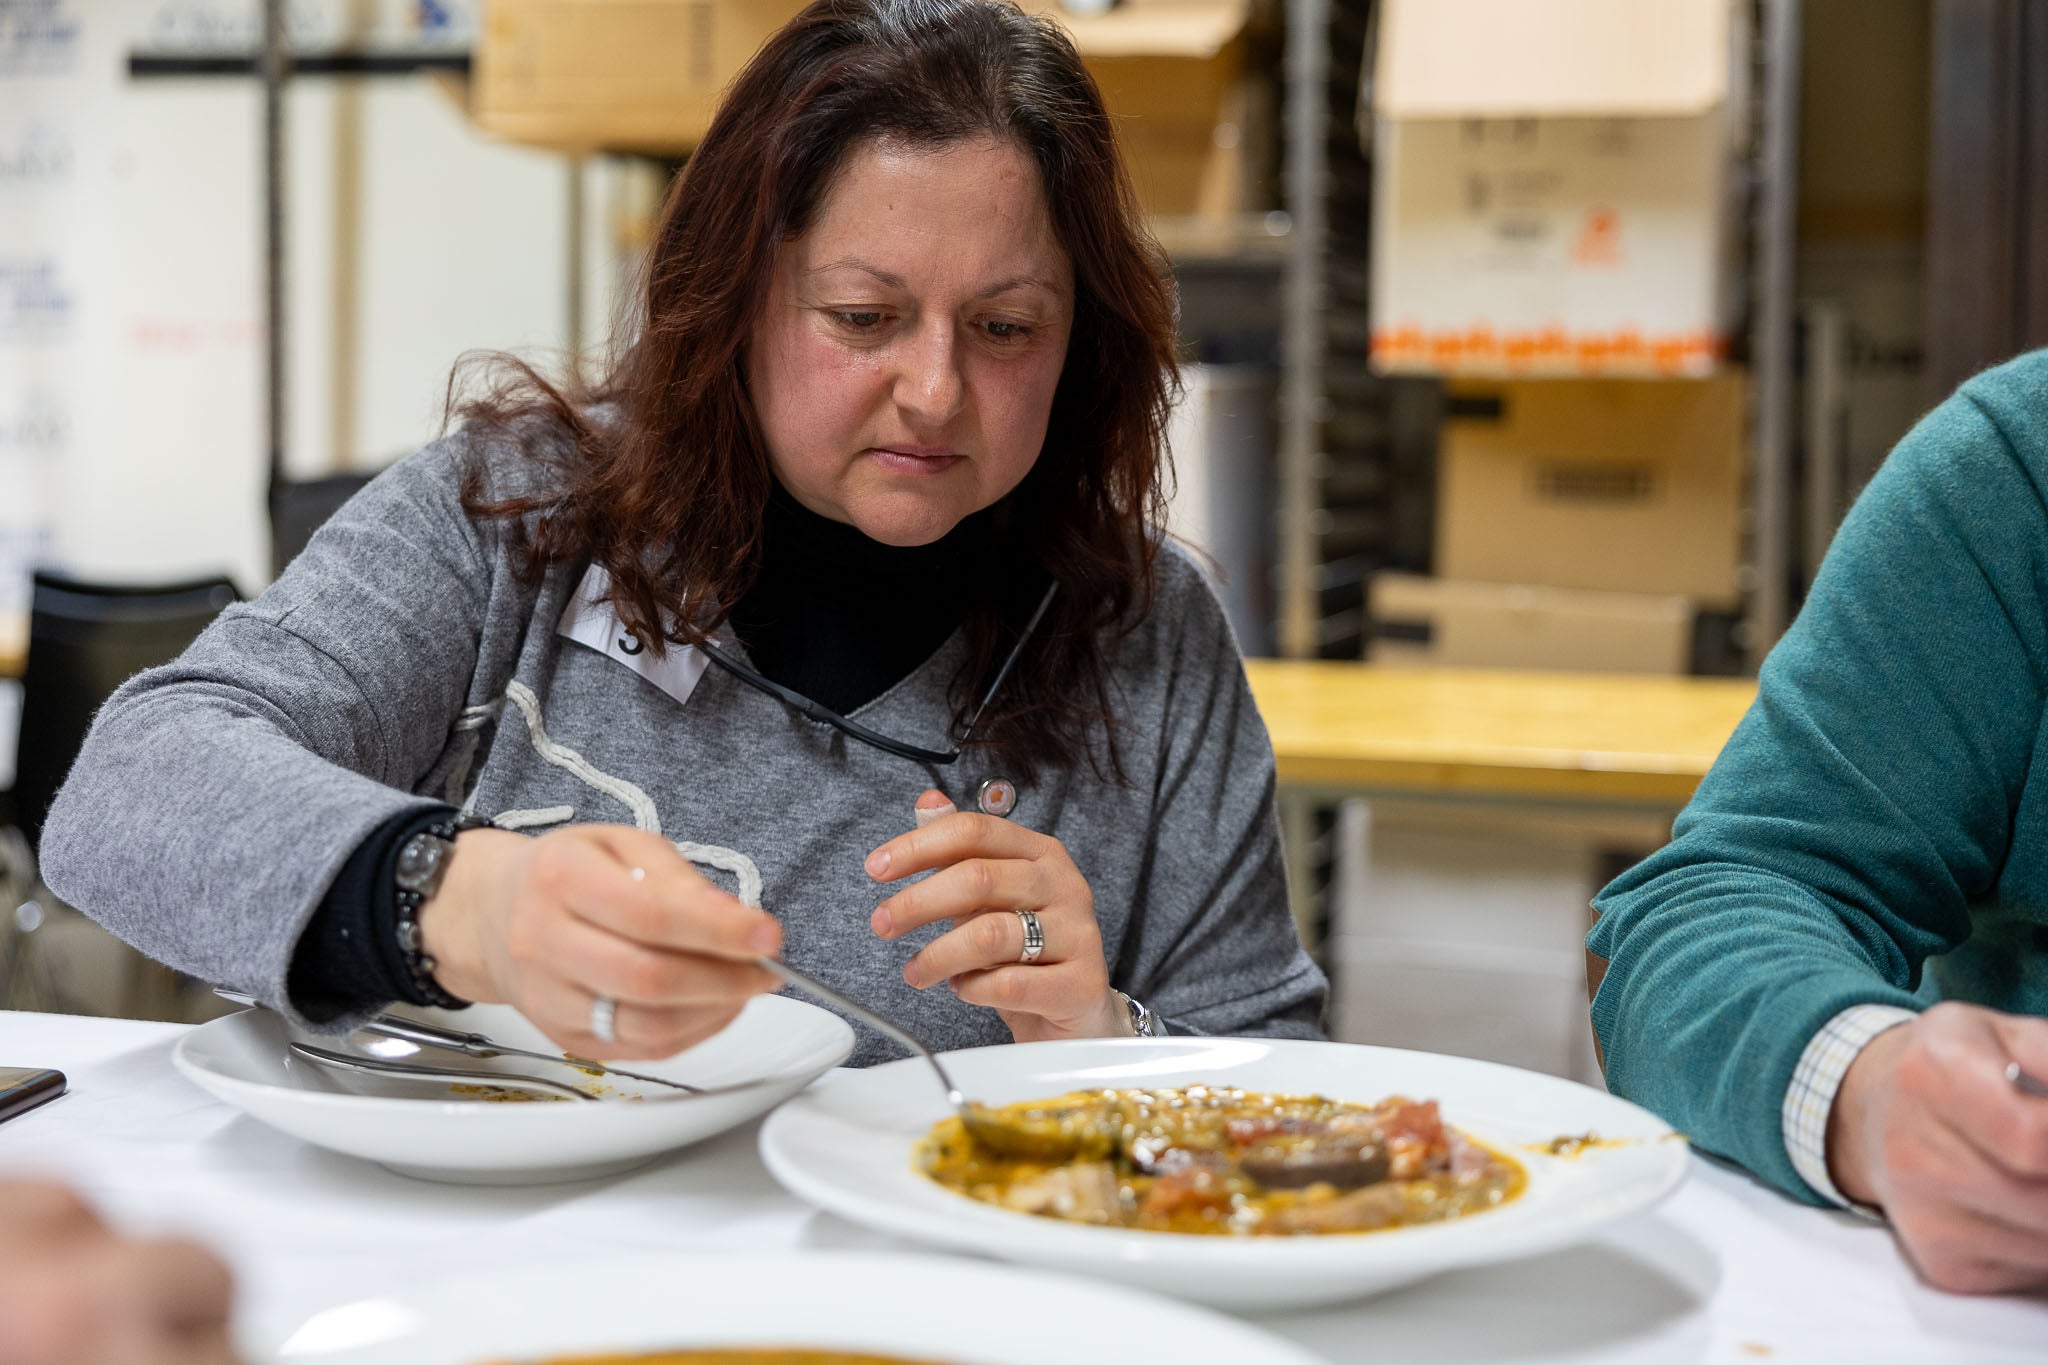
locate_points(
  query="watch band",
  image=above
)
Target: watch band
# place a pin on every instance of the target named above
(1144, 1023)
(422, 862)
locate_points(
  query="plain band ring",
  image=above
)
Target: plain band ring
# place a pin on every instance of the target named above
(1034, 936)
(603, 1013)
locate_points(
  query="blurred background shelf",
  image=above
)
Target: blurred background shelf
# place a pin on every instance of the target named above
(148, 65)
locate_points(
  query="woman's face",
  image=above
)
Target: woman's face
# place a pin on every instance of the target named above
(904, 363)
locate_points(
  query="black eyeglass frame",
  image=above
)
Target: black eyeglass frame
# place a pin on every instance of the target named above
(853, 729)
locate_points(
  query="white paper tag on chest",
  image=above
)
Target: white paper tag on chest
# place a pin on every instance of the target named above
(589, 620)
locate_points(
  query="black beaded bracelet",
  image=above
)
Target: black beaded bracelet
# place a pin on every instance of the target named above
(422, 862)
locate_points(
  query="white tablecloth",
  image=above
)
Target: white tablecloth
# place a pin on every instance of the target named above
(1726, 1271)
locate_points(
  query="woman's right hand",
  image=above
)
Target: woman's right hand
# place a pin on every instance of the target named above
(549, 924)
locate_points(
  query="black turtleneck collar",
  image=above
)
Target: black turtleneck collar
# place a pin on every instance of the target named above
(842, 618)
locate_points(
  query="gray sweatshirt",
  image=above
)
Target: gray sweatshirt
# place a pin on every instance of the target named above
(399, 661)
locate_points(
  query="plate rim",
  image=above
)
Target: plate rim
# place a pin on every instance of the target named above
(980, 1226)
(1114, 1294)
(207, 1077)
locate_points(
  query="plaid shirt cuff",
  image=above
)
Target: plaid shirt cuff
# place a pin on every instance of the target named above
(1815, 1080)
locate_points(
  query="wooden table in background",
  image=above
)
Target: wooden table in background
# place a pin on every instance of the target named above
(13, 645)
(1495, 734)
(1562, 744)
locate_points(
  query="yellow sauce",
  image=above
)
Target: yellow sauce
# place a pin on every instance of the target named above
(503, 1094)
(1570, 1145)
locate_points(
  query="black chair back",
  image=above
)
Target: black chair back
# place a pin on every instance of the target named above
(85, 640)
(299, 507)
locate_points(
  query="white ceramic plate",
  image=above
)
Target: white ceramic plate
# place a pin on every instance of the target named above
(775, 1048)
(920, 1308)
(846, 1146)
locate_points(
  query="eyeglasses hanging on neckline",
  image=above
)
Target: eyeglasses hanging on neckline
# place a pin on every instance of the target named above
(853, 729)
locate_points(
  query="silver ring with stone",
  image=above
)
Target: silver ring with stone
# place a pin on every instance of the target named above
(1034, 936)
(603, 1015)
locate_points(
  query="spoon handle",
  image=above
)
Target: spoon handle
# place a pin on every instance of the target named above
(422, 1034)
(445, 1075)
(810, 985)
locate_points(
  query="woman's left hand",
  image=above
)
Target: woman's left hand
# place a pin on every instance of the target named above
(985, 869)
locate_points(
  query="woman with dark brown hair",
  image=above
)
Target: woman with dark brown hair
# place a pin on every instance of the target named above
(866, 505)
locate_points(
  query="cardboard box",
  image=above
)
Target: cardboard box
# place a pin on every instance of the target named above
(1435, 621)
(1555, 186)
(646, 76)
(1613, 485)
(612, 75)
(1172, 75)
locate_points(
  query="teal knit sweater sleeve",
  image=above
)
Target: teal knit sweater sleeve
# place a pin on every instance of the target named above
(1866, 800)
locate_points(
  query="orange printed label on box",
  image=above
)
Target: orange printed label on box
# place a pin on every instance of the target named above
(1548, 350)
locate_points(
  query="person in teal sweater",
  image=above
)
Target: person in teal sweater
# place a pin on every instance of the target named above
(1827, 973)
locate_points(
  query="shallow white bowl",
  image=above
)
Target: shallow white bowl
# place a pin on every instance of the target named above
(846, 1146)
(921, 1308)
(775, 1048)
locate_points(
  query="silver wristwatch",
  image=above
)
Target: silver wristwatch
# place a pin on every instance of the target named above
(1144, 1023)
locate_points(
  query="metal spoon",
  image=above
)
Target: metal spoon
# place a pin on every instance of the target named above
(474, 1044)
(993, 1130)
(413, 1071)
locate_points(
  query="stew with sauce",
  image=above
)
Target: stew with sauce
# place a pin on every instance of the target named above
(1218, 1160)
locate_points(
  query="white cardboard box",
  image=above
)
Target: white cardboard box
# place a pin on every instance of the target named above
(1555, 186)
(1398, 995)
(1473, 882)
(1463, 936)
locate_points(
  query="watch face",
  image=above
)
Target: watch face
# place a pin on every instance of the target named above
(419, 863)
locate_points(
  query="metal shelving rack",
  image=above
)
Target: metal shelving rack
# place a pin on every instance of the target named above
(1336, 467)
(1323, 300)
(1343, 465)
(1355, 489)
(1774, 253)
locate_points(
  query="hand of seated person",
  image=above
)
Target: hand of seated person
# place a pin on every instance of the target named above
(550, 924)
(73, 1292)
(1926, 1127)
(985, 869)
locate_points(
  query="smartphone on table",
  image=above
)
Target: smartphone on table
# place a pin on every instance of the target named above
(22, 1088)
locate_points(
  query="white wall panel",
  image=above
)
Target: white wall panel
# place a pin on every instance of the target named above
(465, 246)
(130, 272)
